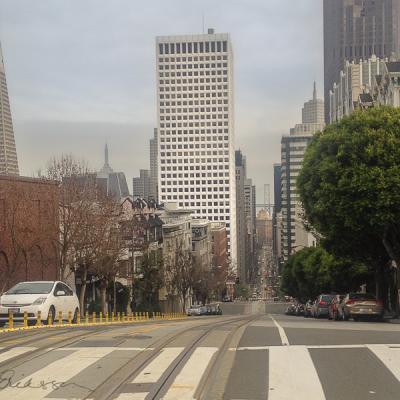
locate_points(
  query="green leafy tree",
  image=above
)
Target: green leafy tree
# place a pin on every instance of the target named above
(350, 187)
(313, 271)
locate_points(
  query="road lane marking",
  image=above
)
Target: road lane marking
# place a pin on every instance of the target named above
(108, 348)
(185, 384)
(132, 396)
(282, 334)
(54, 374)
(389, 356)
(292, 375)
(153, 372)
(15, 352)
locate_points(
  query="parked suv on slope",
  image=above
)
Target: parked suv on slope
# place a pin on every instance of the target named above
(321, 305)
(48, 297)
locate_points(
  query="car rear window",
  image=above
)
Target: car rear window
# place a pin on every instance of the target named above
(362, 296)
(31, 288)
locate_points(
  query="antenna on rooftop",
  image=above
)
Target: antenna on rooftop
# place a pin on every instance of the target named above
(203, 22)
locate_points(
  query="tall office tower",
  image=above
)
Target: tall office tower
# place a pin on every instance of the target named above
(357, 29)
(142, 185)
(195, 110)
(251, 233)
(113, 183)
(241, 224)
(293, 148)
(313, 110)
(8, 151)
(276, 242)
(277, 188)
(153, 166)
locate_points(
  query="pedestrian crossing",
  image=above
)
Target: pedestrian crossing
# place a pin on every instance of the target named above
(293, 371)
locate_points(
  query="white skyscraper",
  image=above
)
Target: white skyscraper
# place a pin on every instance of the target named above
(8, 152)
(195, 108)
(293, 148)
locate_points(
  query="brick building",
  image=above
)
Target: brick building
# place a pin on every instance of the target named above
(28, 230)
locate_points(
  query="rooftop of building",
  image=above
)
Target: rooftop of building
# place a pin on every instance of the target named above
(211, 34)
(27, 179)
(196, 223)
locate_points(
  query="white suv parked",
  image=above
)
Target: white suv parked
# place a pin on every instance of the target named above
(48, 297)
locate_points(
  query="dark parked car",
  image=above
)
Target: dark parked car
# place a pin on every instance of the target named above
(333, 312)
(321, 305)
(360, 305)
(213, 309)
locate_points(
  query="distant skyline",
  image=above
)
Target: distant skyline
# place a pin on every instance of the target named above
(81, 73)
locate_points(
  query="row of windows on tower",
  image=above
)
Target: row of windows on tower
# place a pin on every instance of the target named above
(193, 124)
(196, 59)
(197, 167)
(195, 47)
(193, 132)
(192, 161)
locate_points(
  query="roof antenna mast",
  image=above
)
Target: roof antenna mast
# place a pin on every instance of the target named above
(203, 22)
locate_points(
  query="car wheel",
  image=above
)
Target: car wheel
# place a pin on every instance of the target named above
(75, 318)
(51, 316)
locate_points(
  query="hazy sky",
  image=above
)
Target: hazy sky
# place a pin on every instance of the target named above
(81, 72)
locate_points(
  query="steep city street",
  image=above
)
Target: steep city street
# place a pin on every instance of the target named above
(252, 352)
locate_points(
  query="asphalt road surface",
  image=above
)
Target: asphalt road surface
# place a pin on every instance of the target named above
(251, 352)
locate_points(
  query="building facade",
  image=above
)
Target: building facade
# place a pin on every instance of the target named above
(357, 29)
(141, 186)
(154, 166)
(251, 235)
(202, 244)
(196, 126)
(293, 148)
(264, 228)
(277, 188)
(29, 218)
(355, 79)
(241, 223)
(365, 84)
(8, 151)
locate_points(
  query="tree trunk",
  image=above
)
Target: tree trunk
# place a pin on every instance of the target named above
(392, 254)
(103, 290)
(82, 292)
(183, 302)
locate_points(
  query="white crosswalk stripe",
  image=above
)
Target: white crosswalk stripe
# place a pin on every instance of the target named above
(15, 352)
(46, 379)
(292, 373)
(389, 356)
(153, 372)
(185, 384)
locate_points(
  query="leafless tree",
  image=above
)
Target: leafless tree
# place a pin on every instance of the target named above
(179, 271)
(17, 231)
(77, 189)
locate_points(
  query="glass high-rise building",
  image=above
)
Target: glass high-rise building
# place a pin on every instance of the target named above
(357, 29)
(195, 107)
(8, 152)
